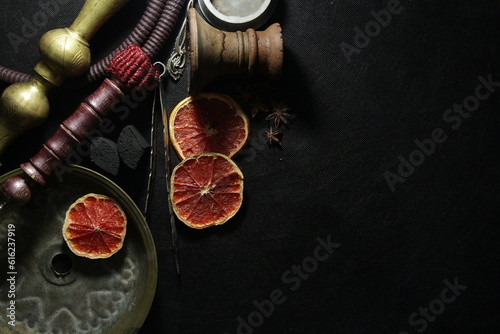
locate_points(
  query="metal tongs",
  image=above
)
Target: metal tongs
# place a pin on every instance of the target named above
(173, 68)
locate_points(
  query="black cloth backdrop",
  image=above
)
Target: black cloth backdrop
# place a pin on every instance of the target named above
(378, 214)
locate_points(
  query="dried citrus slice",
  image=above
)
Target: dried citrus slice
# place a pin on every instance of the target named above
(209, 122)
(206, 190)
(95, 227)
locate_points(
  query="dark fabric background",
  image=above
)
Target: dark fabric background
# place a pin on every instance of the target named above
(353, 119)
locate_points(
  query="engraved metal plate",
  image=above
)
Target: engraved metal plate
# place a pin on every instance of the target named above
(59, 292)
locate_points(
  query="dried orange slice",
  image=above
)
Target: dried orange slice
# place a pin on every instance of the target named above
(206, 190)
(95, 227)
(209, 122)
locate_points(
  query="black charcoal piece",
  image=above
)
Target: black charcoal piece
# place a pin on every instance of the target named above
(104, 153)
(131, 146)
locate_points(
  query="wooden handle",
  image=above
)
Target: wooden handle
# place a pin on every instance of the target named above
(56, 149)
(129, 69)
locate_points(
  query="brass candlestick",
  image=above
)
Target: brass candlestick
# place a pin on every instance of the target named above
(63, 53)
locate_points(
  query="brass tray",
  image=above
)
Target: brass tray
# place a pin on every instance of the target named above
(56, 291)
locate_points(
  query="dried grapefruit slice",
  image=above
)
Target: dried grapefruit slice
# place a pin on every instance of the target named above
(209, 122)
(95, 227)
(206, 190)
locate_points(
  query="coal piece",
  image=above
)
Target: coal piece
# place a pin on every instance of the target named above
(104, 153)
(131, 146)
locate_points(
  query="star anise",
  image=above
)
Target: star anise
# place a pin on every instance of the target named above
(279, 114)
(257, 105)
(272, 136)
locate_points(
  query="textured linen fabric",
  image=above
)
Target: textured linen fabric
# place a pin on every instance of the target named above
(378, 214)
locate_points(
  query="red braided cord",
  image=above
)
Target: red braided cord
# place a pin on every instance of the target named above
(133, 68)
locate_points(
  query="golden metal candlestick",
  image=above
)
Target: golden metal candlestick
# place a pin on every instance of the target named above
(63, 53)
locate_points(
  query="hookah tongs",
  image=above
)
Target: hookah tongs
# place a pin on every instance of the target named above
(63, 53)
(130, 69)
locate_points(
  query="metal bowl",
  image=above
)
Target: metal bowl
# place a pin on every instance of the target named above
(56, 291)
(231, 15)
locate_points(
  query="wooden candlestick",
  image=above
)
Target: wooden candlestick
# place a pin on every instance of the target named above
(63, 53)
